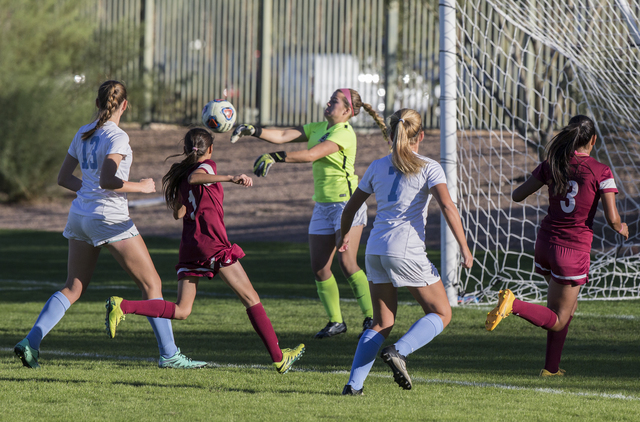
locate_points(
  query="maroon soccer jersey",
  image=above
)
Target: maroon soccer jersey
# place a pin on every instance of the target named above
(204, 235)
(569, 220)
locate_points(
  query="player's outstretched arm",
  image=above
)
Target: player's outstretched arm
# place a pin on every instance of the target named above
(275, 136)
(452, 217)
(529, 187)
(200, 177)
(612, 215)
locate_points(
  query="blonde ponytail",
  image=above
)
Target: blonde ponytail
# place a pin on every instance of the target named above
(406, 125)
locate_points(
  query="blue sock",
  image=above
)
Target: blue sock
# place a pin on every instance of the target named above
(366, 353)
(164, 335)
(420, 333)
(51, 314)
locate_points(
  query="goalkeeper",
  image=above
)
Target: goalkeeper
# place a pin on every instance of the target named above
(331, 147)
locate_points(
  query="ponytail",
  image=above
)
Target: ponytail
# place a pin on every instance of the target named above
(562, 147)
(406, 126)
(111, 95)
(196, 143)
(356, 103)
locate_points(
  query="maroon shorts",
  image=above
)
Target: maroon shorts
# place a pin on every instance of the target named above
(210, 267)
(564, 265)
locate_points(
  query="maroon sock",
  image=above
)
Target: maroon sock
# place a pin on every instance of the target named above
(555, 343)
(262, 324)
(151, 308)
(538, 315)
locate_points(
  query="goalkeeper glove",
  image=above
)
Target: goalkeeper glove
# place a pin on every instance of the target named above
(265, 161)
(245, 130)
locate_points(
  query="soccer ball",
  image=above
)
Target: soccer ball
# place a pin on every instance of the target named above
(219, 115)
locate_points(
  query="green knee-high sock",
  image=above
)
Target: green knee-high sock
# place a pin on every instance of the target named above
(330, 298)
(360, 286)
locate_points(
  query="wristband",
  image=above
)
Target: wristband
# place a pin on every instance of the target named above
(257, 131)
(279, 156)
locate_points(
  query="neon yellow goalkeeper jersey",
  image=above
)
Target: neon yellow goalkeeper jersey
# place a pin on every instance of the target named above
(334, 178)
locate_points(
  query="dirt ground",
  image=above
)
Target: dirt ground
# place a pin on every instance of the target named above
(277, 207)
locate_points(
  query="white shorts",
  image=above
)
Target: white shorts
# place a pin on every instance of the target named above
(401, 272)
(326, 217)
(98, 231)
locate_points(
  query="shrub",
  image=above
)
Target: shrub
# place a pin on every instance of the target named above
(44, 43)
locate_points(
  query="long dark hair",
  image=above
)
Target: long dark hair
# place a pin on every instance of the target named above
(196, 142)
(405, 134)
(562, 147)
(111, 95)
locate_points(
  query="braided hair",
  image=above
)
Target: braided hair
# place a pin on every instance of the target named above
(357, 104)
(196, 143)
(111, 95)
(406, 126)
(562, 147)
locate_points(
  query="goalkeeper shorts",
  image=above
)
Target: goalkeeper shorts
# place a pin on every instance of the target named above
(327, 215)
(401, 272)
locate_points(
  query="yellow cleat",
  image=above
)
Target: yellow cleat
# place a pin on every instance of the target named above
(501, 311)
(560, 373)
(114, 315)
(289, 357)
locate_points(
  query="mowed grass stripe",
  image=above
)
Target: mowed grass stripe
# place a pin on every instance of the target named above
(301, 369)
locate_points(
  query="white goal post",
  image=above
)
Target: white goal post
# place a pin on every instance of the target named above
(521, 69)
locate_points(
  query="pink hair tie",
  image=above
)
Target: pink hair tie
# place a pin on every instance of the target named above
(195, 148)
(347, 93)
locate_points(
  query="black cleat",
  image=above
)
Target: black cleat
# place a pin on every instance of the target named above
(366, 325)
(398, 365)
(350, 391)
(332, 329)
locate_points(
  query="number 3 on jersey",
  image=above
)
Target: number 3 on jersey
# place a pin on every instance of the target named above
(569, 204)
(393, 195)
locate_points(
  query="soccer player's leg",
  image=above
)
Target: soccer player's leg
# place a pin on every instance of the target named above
(236, 278)
(82, 261)
(356, 277)
(133, 257)
(322, 250)
(424, 284)
(385, 303)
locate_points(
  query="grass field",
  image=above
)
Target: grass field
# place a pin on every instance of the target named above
(466, 373)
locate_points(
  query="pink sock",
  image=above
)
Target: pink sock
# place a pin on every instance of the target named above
(555, 343)
(150, 308)
(262, 324)
(538, 315)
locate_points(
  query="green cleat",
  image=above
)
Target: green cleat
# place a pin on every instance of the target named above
(27, 354)
(114, 315)
(180, 361)
(289, 357)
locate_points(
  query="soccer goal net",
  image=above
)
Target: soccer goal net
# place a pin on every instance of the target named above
(524, 68)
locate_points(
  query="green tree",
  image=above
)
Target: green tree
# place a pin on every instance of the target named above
(43, 44)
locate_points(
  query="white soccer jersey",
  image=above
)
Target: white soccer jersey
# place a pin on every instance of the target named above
(399, 227)
(91, 199)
